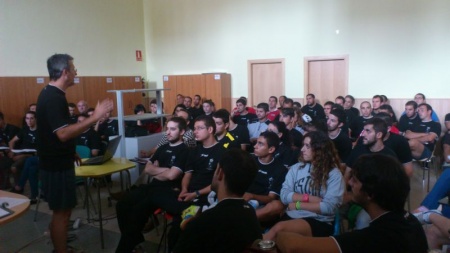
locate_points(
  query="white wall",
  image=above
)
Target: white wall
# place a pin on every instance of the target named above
(102, 36)
(395, 47)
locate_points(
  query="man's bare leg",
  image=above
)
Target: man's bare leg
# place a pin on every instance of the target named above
(58, 229)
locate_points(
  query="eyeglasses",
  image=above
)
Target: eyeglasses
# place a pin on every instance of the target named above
(199, 128)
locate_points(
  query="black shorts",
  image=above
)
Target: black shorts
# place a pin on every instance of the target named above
(318, 228)
(59, 188)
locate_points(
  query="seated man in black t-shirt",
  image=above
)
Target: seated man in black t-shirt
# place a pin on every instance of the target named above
(222, 117)
(264, 192)
(200, 167)
(25, 139)
(342, 142)
(166, 168)
(372, 137)
(89, 138)
(231, 225)
(380, 185)
(409, 118)
(422, 137)
(241, 115)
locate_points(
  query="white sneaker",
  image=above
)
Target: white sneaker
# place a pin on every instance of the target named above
(424, 217)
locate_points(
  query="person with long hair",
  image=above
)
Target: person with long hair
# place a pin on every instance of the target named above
(313, 190)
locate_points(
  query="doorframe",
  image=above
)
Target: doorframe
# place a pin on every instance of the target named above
(263, 61)
(308, 59)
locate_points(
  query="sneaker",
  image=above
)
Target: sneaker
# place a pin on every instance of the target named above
(424, 217)
(188, 214)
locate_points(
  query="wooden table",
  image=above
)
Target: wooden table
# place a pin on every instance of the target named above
(18, 210)
(98, 172)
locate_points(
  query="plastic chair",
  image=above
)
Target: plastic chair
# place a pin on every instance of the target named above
(427, 164)
(164, 241)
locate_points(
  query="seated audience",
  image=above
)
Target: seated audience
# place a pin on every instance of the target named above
(313, 109)
(341, 141)
(273, 110)
(284, 152)
(221, 117)
(419, 98)
(264, 192)
(241, 115)
(240, 133)
(409, 118)
(89, 138)
(287, 116)
(25, 139)
(259, 126)
(231, 225)
(377, 100)
(313, 190)
(82, 107)
(422, 137)
(327, 108)
(381, 187)
(166, 168)
(208, 107)
(366, 114)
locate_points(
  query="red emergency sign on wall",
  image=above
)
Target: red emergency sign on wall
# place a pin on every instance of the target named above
(138, 55)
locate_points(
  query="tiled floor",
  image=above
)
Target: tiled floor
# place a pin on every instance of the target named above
(24, 235)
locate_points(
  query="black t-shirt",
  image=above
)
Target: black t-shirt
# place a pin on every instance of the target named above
(108, 128)
(52, 113)
(400, 146)
(296, 138)
(230, 226)
(406, 123)
(169, 156)
(360, 150)
(392, 232)
(286, 155)
(315, 112)
(359, 126)
(246, 119)
(241, 134)
(8, 133)
(355, 111)
(428, 127)
(229, 141)
(90, 139)
(202, 163)
(269, 179)
(27, 138)
(343, 145)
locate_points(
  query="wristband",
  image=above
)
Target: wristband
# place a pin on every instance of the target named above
(297, 205)
(305, 197)
(197, 193)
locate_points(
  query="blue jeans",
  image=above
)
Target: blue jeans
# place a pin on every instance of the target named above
(30, 172)
(439, 191)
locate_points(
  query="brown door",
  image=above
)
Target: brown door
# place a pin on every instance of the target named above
(326, 77)
(266, 78)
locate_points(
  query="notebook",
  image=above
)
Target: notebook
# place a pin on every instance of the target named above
(110, 150)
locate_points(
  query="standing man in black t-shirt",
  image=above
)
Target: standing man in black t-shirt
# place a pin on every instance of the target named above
(166, 167)
(423, 136)
(56, 144)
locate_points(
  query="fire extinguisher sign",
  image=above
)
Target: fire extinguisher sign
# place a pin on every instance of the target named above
(138, 55)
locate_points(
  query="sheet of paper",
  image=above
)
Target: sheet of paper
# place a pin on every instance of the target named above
(12, 202)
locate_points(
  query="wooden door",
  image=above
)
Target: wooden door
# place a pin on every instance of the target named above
(218, 89)
(326, 77)
(266, 78)
(170, 96)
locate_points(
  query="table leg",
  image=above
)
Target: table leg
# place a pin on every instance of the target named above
(100, 213)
